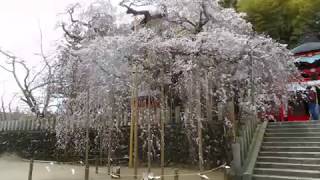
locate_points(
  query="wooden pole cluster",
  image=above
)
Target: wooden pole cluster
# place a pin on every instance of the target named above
(133, 151)
(133, 125)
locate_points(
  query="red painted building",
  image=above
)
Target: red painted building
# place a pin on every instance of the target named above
(308, 62)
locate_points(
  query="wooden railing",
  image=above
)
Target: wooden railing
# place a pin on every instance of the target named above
(28, 125)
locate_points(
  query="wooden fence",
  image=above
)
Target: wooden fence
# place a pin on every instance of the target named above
(28, 125)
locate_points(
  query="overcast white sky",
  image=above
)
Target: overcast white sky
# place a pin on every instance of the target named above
(19, 32)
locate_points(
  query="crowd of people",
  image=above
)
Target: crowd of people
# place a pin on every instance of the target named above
(303, 104)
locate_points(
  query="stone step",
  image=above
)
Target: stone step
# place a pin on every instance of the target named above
(293, 160)
(288, 172)
(311, 144)
(292, 134)
(292, 123)
(300, 125)
(263, 164)
(273, 177)
(290, 154)
(294, 130)
(293, 126)
(292, 139)
(290, 148)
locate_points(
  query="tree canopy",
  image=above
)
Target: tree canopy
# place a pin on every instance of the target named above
(187, 41)
(288, 21)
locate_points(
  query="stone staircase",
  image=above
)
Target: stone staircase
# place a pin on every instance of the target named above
(290, 150)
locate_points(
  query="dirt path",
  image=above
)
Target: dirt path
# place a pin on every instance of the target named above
(13, 168)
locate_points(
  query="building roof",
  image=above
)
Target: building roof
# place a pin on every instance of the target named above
(307, 47)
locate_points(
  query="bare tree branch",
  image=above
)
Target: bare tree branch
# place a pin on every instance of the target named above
(10, 103)
(4, 114)
(40, 86)
(37, 75)
(70, 35)
(147, 16)
(6, 69)
(49, 76)
(196, 27)
(70, 11)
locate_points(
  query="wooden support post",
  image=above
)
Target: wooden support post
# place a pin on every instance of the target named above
(131, 134)
(134, 126)
(97, 165)
(109, 150)
(133, 118)
(135, 163)
(176, 174)
(111, 126)
(208, 94)
(101, 148)
(86, 175)
(30, 169)
(162, 120)
(149, 131)
(226, 173)
(232, 118)
(199, 119)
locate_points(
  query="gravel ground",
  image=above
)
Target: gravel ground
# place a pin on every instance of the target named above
(14, 168)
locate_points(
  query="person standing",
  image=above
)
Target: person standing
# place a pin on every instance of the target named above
(312, 103)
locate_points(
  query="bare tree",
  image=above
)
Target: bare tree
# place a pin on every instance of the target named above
(31, 82)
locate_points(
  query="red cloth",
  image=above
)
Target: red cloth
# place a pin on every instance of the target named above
(281, 113)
